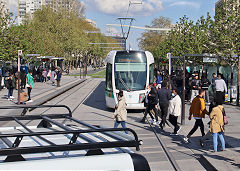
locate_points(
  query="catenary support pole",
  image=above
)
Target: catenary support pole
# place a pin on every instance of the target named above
(183, 91)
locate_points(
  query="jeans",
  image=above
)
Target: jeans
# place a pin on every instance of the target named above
(194, 93)
(215, 140)
(10, 92)
(123, 123)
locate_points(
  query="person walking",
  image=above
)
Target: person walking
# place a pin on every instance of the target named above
(120, 114)
(29, 85)
(146, 104)
(217, 125)
(174, 110)
(152, 104)
(195, 87)
(221, 88)
(198, 111)
(10, 83)
(59, 75)
(164, 95)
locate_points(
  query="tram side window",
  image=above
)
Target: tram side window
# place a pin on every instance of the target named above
(109, 77)
(151, 74)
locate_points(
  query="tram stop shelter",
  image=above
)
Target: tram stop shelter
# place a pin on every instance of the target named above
(185, 59)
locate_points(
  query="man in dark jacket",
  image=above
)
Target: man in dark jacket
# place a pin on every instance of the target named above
(195, 86)
(164, 95)
(152, 103)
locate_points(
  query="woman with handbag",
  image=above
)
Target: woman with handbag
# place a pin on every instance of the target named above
(120, 114)
(29, 85)
(217, 124)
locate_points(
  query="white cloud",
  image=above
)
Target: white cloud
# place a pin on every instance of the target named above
(185, 3)
(13, 3)
(119, 7)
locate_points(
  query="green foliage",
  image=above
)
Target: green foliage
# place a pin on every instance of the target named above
(218, 36)
(51, 33)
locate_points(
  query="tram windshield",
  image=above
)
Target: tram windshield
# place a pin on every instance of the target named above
(130, 70)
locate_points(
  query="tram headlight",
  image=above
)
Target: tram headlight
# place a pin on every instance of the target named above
(141, 97)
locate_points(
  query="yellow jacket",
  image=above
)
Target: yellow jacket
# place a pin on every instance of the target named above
(216, 116)
(198, 108)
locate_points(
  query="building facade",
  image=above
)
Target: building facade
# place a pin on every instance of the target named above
(28, 7)
(4, 4)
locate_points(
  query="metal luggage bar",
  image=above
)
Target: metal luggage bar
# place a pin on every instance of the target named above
(14, 152)
(67, 147)
(26, 107)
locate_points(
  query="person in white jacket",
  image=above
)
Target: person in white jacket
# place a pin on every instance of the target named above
(174, 110)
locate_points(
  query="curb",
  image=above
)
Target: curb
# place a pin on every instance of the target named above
(56, 93)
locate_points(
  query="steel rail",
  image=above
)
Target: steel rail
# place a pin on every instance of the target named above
(168, 154)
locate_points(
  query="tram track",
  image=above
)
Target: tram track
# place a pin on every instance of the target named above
(90, 85)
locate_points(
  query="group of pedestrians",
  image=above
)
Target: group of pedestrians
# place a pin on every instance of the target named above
(161, 101)
(9, 79)
(11, 83)
(164, 100)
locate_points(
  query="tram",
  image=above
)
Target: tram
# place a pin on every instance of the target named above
(130, 71)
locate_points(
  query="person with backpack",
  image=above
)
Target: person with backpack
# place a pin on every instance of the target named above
(198, 111)
(120, 114)
(217, 124)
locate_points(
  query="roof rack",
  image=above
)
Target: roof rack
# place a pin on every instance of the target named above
(14, 152)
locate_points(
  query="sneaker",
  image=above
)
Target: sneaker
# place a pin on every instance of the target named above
(186, 139)
(153, 121)
(173, 134)
(30, 101)
(11, 97)
(179, 130)
(201, 143)
(158, 122)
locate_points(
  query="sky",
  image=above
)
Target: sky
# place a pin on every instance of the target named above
(107, 11)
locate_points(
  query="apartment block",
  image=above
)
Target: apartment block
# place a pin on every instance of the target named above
(28, 7)
(4, 4)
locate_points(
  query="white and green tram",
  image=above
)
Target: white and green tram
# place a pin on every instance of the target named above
(130, 71)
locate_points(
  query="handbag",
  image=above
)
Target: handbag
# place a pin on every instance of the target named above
(225, 121)
(27, 85)
(55, 77)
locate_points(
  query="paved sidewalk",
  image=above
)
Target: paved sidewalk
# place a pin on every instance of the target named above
(41, 92)
(227, 160)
